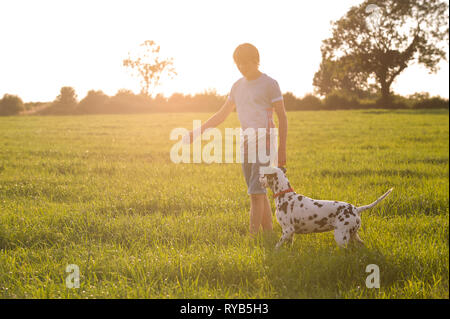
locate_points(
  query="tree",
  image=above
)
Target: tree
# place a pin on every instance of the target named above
(64, 104)
(377, 40)
(11, 105)
(94, 102)
(67, 98)
(149, 66)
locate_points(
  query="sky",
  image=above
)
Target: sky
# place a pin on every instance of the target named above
(46, 44)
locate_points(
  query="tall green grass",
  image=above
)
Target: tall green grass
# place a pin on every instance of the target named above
(101, 192)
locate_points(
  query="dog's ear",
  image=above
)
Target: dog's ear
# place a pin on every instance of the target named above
(283, 169)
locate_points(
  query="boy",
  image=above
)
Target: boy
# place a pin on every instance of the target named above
(255, 97)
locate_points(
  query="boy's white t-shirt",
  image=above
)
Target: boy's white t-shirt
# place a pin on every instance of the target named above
(253, 100)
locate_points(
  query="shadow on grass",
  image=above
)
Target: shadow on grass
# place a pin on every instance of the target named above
(410, 112)
(382, 172)
(311, 271)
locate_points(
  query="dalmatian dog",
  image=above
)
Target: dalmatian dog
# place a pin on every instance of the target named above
(303, 215)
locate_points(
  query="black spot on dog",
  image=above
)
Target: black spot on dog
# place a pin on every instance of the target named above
(283, 207)
(318, 205)
(292, 206)
(315, 215)
(299, 230)
(347, 213)
(310, 217)
(358, 221)
(349, 210)
(322, 222)
(338, 210)
(346, 223)
(301, 205)
(330, 215)
(345, 237)
(300, 198)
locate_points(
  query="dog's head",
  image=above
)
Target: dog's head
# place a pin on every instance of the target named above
(272, 177)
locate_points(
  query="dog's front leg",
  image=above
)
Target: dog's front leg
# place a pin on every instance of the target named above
(286, 236)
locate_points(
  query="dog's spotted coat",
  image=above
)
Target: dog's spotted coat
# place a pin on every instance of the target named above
(302, 215)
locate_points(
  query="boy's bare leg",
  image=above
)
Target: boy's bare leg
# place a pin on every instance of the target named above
(260, 213)
(267, 215)
(256, 212)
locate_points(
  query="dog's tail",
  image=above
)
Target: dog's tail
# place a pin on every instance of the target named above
(363, 208)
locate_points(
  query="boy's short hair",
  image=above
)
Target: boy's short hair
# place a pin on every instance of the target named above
(246, 52)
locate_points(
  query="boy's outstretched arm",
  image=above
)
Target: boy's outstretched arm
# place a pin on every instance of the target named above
(282, 129)
(216, 119)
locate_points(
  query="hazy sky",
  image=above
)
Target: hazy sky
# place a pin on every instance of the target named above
(49, 44)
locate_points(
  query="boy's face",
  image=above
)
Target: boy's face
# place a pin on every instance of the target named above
(247, 68)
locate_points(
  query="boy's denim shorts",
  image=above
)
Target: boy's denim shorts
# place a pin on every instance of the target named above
(251, 175)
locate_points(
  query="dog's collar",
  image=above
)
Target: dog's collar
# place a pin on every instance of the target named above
(283, 192)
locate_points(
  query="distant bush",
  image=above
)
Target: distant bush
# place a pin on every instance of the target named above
(30, 106)
(420, 100)
(208, 101)
(339, 100)
(368, 104)
(432, 103)
(310, 102)
(95, 102)
(11, 105)
(290, 101)
(64, 104)
(397, 102)
(424, 101)
(125, 101)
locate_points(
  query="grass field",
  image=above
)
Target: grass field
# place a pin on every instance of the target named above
(101, 192)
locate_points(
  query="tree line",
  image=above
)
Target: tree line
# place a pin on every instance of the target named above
(126, 102)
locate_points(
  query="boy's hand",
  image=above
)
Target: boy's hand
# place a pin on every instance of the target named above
(213, 121)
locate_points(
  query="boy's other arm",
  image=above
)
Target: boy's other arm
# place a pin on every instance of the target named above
(216, 119)
(283, 126)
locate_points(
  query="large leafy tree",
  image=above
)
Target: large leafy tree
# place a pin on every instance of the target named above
(377, 40)
(149, 66)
